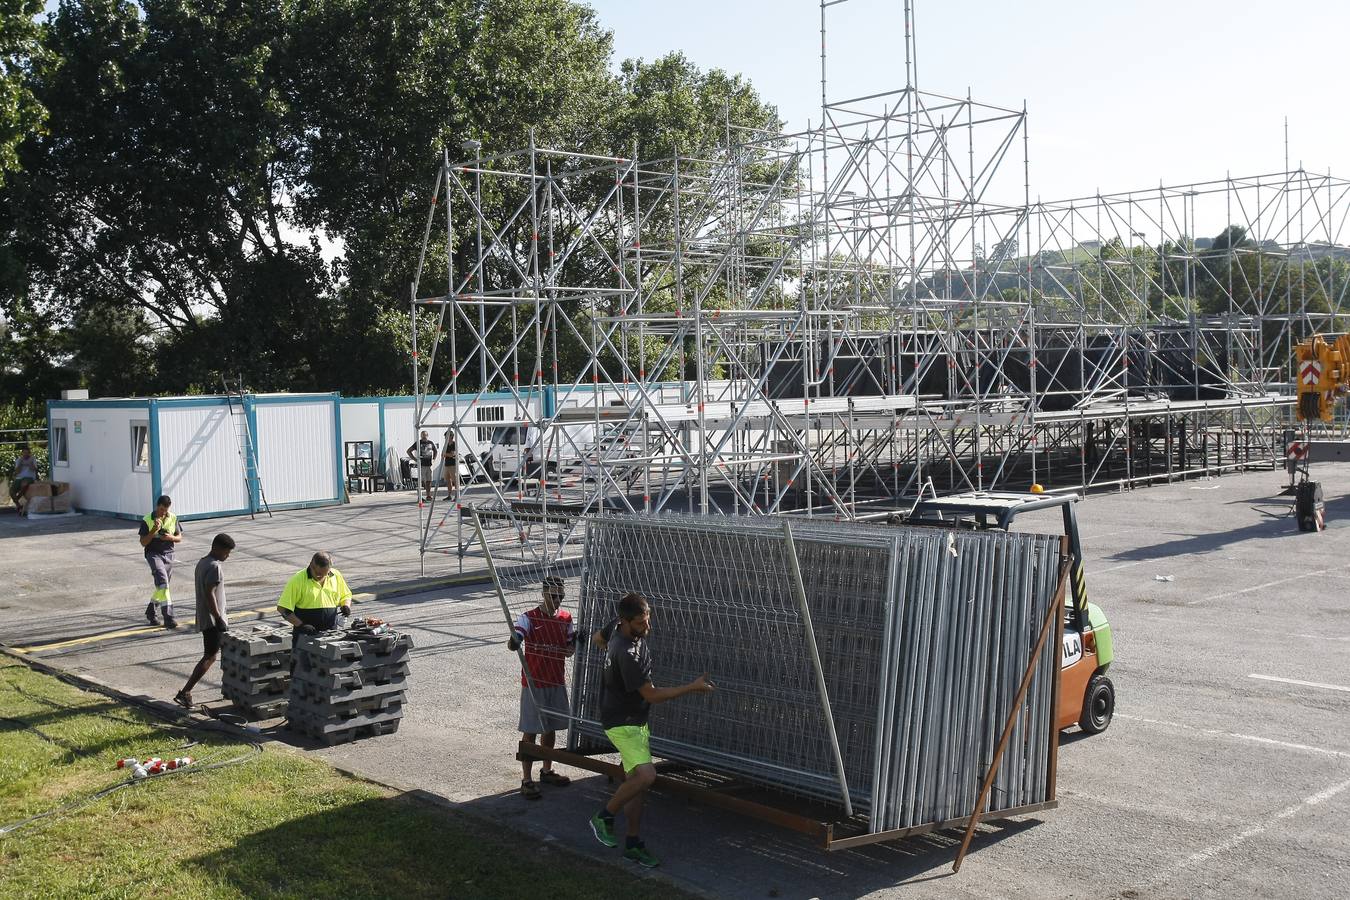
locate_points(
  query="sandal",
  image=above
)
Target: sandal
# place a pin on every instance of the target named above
(529, 790)
(548, 776)
(183, 699)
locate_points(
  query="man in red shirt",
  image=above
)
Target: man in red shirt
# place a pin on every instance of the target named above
(549, 636)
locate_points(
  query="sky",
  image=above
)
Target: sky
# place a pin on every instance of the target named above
(1120, 95)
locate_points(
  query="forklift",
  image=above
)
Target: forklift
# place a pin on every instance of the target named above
(1087, 698)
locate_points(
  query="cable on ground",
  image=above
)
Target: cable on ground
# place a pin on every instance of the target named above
(151, 707)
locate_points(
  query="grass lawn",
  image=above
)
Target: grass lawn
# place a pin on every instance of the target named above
(273, 824)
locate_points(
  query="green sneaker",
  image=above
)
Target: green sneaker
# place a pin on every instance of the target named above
(604, 831)
(641, 856)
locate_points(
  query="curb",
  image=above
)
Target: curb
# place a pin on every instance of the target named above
(424, 585)
(90, 683)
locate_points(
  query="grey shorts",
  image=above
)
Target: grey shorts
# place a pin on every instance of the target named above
(549, 715)
(161, 568)
(426, 472)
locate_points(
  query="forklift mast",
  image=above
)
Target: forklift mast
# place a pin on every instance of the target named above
(1077, 571)
(997, 509)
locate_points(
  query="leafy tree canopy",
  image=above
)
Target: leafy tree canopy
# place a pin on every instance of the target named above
(240, 187)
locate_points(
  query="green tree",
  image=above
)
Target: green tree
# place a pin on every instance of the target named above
(33, 355)
(241, 187)
(381, 88)
(155, 188)
(20, 112)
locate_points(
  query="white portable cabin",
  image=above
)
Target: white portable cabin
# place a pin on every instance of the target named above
(120, 454)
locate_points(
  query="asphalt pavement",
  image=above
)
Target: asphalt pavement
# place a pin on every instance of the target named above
(1225, 774)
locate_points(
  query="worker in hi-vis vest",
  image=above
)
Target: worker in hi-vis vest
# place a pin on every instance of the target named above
(160, 534)
(314, 596)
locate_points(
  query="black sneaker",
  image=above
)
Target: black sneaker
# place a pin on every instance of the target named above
(150, 614)
(170, 621)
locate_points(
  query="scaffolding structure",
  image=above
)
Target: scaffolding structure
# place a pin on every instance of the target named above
(837, 321)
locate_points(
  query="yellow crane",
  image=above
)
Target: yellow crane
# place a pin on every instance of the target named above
(1322, 376)
(1322, 370)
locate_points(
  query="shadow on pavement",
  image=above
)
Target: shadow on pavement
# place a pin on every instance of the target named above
(1271, 528)
(10, 522)
(736, 856)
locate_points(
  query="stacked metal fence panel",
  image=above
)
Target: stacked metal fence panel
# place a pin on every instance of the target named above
(923, 635)
(255, 668)
(738, 621)
(349, 684)
(959, 638)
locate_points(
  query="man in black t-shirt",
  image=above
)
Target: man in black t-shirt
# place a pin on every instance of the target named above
(626, 700)
(424, 452)
(450, 465)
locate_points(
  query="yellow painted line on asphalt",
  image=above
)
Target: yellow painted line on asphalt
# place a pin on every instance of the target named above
(107, 636)
(151, 629)
(114, 635)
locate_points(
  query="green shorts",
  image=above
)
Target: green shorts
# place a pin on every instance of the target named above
(634, 743)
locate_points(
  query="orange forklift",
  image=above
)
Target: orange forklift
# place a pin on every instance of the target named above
(1087, 698)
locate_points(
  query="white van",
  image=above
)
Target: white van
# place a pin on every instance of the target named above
(615, 444)
(513, 452)
(515, 447)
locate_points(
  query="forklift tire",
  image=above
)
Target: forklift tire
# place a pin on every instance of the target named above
(1099, 705)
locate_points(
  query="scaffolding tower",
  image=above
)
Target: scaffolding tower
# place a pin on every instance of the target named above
(834, 322)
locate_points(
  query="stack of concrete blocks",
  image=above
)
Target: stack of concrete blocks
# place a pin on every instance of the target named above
(349, 684)
(255, 668)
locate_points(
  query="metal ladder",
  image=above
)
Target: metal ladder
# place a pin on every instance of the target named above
(243, 441)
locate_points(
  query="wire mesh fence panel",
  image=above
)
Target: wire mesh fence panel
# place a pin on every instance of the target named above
(722, 603)
(847, 589)
(922, 636)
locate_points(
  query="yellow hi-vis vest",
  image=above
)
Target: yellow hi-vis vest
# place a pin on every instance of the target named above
(170, 524)
(303, 592)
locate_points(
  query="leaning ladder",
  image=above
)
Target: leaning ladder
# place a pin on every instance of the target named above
(243, 441)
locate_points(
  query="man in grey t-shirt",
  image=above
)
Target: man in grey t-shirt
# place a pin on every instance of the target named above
(209, 580)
